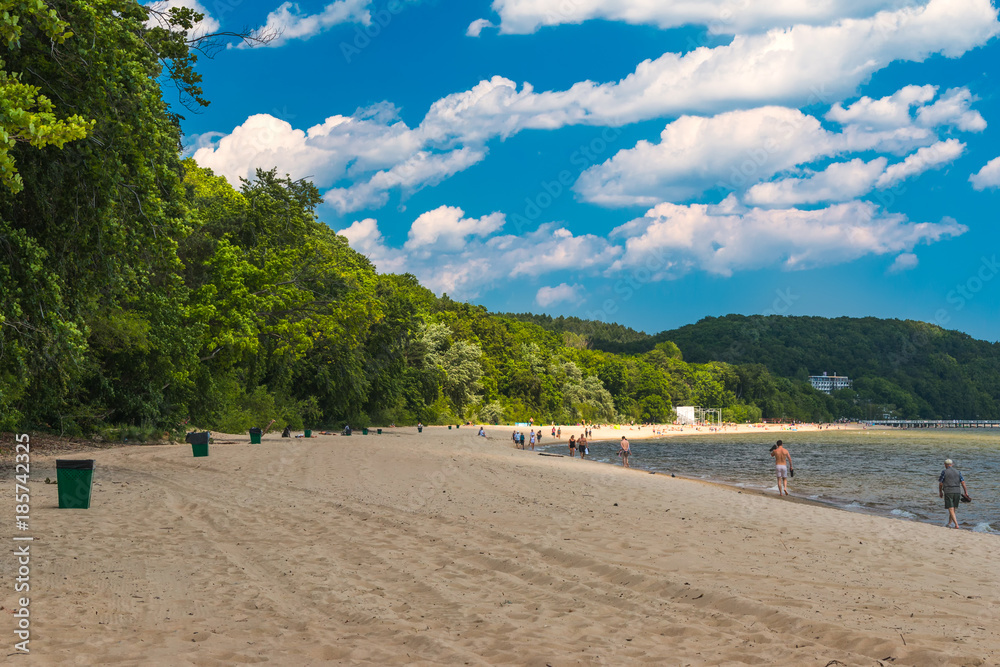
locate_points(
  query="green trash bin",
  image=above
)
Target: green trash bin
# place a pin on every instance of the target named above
(378, 431)
(458, 426)
(449, 427)
(199, 442)
(308, 433)
(255, 435)
(75, 478)
(364, 431)
(420, 429)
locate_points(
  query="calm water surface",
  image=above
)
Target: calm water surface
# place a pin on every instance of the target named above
(886, 472)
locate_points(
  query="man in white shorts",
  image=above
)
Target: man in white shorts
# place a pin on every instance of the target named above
(782, 464)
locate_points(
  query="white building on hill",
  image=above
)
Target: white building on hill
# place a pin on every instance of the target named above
(829, 383)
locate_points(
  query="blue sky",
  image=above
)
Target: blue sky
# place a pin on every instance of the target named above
(646, 162)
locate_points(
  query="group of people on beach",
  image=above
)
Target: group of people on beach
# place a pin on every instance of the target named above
(576, 443)
(580, 444)
(533, 438)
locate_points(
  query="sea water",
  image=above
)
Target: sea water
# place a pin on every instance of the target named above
(887, 472)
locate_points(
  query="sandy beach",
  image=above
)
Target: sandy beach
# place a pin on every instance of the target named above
(447, 548)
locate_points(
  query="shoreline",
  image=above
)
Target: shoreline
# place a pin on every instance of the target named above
(843, 503)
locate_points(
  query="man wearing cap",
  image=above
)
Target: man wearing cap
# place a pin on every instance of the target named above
(951, 487)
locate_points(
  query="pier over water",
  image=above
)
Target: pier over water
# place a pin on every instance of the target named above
(937, 423)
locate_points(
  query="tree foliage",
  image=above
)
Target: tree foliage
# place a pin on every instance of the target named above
(139, 289)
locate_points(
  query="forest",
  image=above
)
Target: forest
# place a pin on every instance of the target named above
(140, 293)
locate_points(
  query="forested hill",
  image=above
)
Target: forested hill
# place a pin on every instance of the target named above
(593, 333)
(922, 369)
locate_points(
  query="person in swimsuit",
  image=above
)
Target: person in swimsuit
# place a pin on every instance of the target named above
(782, 464)
(531, 439)
(572, 445)
(581, 444)
(624, 452)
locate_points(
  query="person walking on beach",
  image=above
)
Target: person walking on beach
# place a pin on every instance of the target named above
(572, 446)
(951, 487)
(624, 452)
(782, 464)
(531, 439)
(581, 444)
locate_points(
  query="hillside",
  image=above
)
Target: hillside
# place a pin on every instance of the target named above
(922, 369)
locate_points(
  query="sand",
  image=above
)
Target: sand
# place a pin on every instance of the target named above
(448, 548)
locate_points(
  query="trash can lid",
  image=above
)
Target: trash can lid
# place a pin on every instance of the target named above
(256, 430)
(74, 464)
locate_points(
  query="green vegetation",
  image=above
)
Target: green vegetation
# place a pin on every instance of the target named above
(909, 369)
(139, 292)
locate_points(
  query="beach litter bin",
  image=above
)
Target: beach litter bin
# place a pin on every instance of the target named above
(420, 429)
(449, 427)
(255, 435)
(308, 433)
(75, 478)
(364, 431)
(378, 431)
(199, 442)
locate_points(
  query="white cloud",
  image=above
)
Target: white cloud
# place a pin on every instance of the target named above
(904, 262)
(696, 153)
(365, 237)
(372, 138)
(886, 113)
(672, 239)
(420, 170)
(926, 158)
(721, 16)
(743, 149)
(798, 65)
(477, 26)
(843, 181)
(461, 256)
(561, 293)
(207, 25)
(447, 228)
(840, 181)
(290, 23)
(988, 176)
(483, 261)
(953, 109)
(195, 142)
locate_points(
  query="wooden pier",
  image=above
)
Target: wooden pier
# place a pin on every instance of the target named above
(937, 423)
